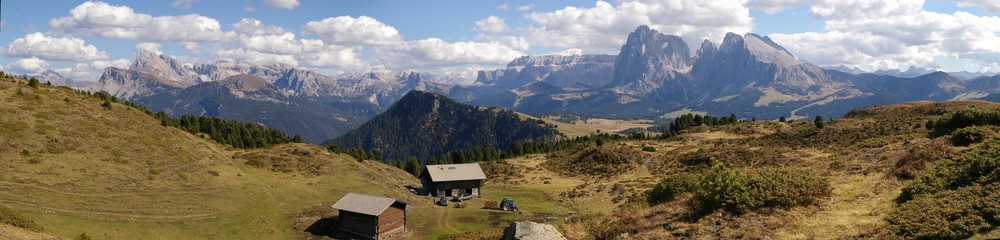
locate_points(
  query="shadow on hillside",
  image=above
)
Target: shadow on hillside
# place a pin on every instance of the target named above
(325, 227)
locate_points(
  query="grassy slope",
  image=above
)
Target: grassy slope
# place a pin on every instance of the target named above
(592, 125)
(76, 167)
(119, 174)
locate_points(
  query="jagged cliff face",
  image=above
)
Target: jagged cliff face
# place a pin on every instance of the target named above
(575, 71)
(650, 61)
(152, 73)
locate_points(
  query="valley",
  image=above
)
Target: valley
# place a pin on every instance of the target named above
(486, 120)
(158, 182)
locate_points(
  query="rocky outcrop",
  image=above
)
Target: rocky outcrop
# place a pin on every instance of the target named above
(531, 231)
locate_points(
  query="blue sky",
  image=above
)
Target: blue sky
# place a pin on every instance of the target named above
(460, 37)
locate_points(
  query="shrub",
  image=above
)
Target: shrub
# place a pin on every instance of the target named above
(256, 162)
(649, 148)
(106, 104)
(969, 135)
(784, 187)
(82, 236)
(672, 186)
(14, 218)
(980, 165)
(965, 118)
(953, 214)
(907, 166)
(750, 190)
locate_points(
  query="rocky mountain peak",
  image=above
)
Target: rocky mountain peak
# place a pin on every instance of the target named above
(165, 67)
(649, 58)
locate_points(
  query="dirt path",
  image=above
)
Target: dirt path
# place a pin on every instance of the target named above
(110, 194)
(121, 215)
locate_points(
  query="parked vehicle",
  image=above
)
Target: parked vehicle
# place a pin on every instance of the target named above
(463, 197)
(442, 202)
(507, 204)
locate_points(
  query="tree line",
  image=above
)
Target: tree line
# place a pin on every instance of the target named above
(226, 131)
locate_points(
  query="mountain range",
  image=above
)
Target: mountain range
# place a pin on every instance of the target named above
(654, 75)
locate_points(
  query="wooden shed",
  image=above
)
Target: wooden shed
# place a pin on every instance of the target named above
(453, 179)
(371, 217)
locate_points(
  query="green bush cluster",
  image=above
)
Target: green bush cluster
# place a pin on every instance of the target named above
(952, 214)
(754, 189)
(956, 199)
(965, 118)
(969, 135)
(978, 166)
(14, 218)
(672, 186)
(649, 148)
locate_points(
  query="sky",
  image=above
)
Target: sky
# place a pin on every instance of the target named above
(80, 38)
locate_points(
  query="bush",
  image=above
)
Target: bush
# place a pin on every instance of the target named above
(965, 118)
(954, 214)
(969, 135)
(672, 186)
(106, 104)
(14, 218)
(750, 190)
(649, 148)
(980, 165)
(955, 199)
(907, 166)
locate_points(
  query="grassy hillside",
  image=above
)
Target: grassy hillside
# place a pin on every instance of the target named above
(72, 166)
(76, 167)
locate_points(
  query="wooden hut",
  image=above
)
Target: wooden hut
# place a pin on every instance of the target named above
(453, 179)
(371, 217)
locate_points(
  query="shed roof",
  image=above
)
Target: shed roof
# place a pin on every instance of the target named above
(364, 204)
(455, 172)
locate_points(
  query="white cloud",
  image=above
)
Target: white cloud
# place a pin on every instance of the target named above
(103, 20)
(53, 48)
(148, 47)
(568, 52)
(348, 30)
(436, 53)
(280, 44)
(249, 9)
(774, 6)
(185, 4)
(526, 7)
(91, 71)
(879, 34)
(255, 57)
(30, 65)
(604, 27)
(502, 7)
(282, 4)
(989, 5)
(191, 47)
(250, 26)
(492, 24)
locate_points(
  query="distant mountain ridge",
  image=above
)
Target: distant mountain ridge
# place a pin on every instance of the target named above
(652, 76)
(749, 75)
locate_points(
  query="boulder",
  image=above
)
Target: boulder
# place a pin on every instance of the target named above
(531, 231)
